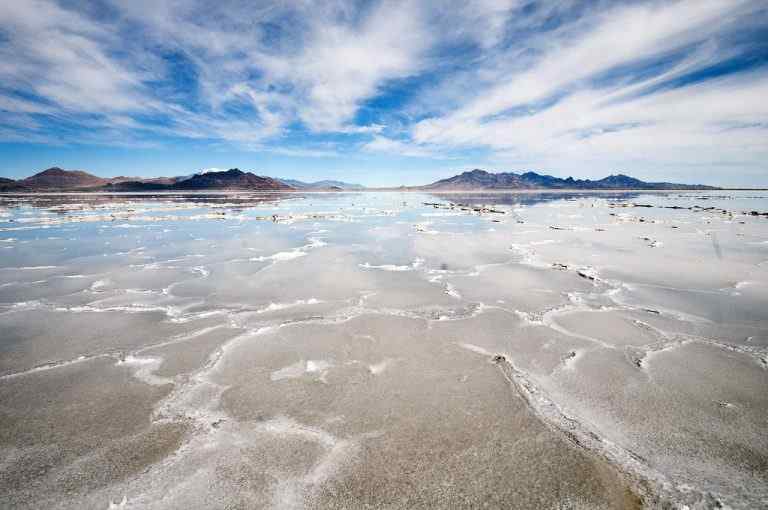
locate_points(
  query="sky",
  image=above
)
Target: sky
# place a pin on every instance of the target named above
(387, 92)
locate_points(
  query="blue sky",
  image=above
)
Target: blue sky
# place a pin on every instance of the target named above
(387, 93)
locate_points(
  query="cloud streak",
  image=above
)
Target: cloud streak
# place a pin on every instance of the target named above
(568, 86)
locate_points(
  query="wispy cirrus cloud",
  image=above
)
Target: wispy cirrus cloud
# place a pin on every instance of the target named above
(644, 85)
(240, 74)
(382, 144)
(571, 86)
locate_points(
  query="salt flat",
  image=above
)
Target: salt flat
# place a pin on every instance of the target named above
(384, 350)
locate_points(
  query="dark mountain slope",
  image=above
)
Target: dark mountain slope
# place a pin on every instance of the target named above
(58, 179)
(230, 179)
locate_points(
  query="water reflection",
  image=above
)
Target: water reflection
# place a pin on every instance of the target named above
(513, 199)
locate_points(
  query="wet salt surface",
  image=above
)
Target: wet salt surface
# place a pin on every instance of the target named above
(394, 350)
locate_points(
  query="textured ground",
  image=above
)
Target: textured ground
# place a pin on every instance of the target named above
(384, 350)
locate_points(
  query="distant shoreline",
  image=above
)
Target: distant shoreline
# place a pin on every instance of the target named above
(370, 190)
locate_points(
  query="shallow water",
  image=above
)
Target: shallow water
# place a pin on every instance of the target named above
(390, 350)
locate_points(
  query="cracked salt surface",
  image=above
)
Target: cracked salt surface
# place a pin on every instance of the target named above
(339, 351)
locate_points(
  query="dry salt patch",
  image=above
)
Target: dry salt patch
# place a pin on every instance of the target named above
(378, 368)
(144, 368)
(316, 367)
(273, 307)
(98, 285)
(280, 256)
(417, 263)
(283, 256)
(202, 271)
(424, 228)
(28, 268)
(451, 291)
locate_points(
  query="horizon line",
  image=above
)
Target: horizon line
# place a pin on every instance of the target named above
(392, 186)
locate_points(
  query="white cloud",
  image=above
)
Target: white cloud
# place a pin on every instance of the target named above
(721, 121)
(323, 61)
(384, 145)
(248, 74)
(318, 69)
(63, 57)
(620, 36)
(340, 66)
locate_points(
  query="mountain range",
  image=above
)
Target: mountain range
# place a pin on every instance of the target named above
(57, 179)
(482, 180)
(327, 184)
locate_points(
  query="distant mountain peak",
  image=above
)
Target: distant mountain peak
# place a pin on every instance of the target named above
(57, 178)
(234, 178)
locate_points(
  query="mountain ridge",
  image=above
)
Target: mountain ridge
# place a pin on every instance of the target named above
(321, 185)
(230, 179)
(482, 180)
(58, 179)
